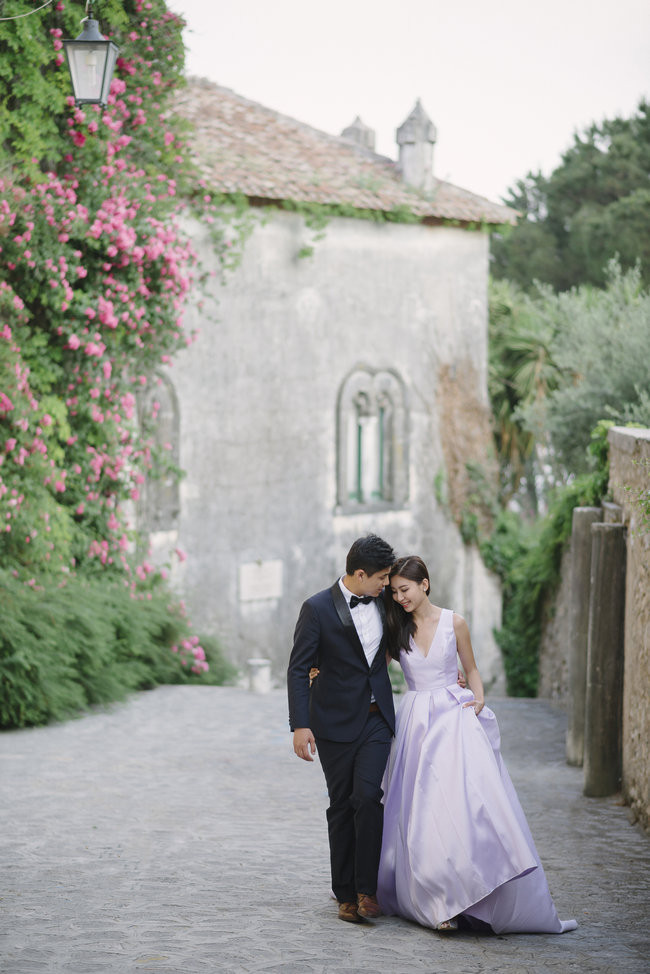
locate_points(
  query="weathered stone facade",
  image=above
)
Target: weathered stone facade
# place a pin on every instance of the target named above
(258, 422)
(332, 396)
(629, 481)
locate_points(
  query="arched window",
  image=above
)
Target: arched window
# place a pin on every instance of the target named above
(372, 441)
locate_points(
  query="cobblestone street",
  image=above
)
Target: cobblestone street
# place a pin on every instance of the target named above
(178, 833)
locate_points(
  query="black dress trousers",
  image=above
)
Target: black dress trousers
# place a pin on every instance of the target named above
(355, 817)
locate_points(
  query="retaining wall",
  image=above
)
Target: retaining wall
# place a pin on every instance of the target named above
(629, 481)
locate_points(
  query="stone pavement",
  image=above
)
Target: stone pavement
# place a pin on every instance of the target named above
(178, 833)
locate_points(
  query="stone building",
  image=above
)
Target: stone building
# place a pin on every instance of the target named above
(336, 394)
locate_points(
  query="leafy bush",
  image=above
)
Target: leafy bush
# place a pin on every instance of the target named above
(66, 648)
(600, 350)
(527, 558)
(558, 363)
(521, 373)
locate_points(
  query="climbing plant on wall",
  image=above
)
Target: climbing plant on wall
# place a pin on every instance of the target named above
(95, 270)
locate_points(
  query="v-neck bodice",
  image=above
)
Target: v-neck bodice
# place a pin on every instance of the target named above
(438, 668)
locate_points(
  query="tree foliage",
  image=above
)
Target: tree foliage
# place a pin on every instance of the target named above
(599, 353)
(563, 368)
(521, 373)
(593, 207)
(568, 353)
(35, 84)
(559, 363)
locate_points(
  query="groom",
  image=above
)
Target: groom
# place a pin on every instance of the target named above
(348, 714)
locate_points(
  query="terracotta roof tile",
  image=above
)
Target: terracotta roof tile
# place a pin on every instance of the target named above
(243, 147)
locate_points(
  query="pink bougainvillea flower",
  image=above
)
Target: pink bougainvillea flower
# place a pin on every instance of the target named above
(112, 269)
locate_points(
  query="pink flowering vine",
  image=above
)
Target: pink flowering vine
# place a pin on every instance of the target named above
(95, 273)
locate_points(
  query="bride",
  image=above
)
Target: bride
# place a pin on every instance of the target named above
(456, 843)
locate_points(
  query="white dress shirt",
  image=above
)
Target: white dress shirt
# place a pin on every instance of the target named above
(367, 622)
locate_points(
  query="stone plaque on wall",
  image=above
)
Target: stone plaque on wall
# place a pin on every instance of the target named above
(260, 580)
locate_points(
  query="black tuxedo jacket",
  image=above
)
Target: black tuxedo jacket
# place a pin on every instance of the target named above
(336, 707)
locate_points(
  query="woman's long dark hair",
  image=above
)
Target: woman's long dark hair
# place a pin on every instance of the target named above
(400, 625)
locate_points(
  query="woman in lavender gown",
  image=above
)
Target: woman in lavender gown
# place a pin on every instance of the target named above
(456, 843)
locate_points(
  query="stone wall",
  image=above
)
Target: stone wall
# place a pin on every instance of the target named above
(258, 395)
(629, 480)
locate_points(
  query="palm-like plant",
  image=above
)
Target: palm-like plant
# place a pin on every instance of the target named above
(521, 372)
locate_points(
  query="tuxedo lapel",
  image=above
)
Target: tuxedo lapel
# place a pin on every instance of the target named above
(344, 614)
(377, 661)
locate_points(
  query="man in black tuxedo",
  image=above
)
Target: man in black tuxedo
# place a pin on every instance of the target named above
(348, 714)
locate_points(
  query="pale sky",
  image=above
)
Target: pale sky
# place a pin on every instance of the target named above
(506, 82)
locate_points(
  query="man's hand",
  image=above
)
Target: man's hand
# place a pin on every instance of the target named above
(304, 743)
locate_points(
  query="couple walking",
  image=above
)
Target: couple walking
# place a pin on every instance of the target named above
(450, 842)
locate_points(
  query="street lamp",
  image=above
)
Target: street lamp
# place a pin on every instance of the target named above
(91, 60)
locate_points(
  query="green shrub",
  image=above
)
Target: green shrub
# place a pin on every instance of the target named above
(221, 671)
(64, 649)
(600, 352)
(527, 558)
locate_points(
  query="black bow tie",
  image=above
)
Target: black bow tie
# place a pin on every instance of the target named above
(364, 598)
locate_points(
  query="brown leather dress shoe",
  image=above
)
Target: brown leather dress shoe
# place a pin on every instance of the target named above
(349, 913)
(368, 907)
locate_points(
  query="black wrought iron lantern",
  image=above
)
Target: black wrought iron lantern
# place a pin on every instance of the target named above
(91, 60)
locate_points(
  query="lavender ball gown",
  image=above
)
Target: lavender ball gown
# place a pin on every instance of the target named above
(456, 840)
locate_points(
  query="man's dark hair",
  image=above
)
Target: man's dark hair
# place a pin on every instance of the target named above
(371, 553)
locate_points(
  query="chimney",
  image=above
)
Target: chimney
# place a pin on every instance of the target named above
(416, 138)
(360, 133)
